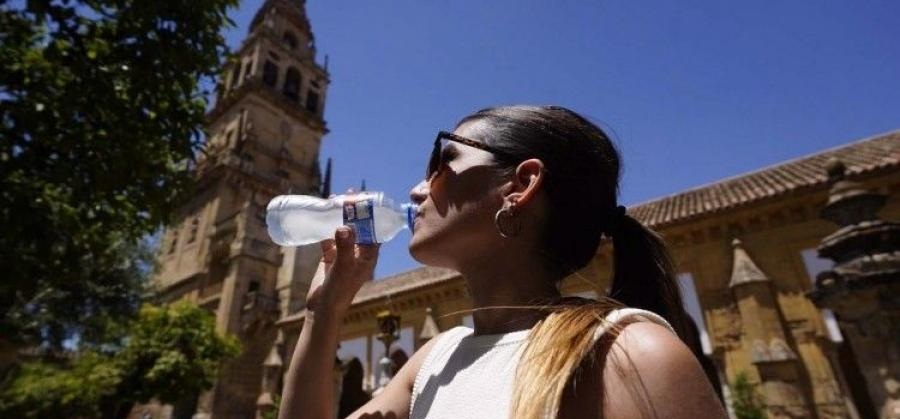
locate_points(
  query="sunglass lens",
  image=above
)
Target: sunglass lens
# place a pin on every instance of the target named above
(437, 159)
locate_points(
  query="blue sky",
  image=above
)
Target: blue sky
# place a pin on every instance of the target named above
(693, 91)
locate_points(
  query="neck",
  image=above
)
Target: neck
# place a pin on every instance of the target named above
(501, 281)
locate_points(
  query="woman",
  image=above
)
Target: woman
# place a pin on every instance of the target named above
(516, 199)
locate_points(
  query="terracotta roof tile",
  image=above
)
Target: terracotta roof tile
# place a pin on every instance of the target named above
(861, 157)
(403, 281)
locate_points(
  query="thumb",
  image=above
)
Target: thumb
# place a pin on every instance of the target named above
(344, 238)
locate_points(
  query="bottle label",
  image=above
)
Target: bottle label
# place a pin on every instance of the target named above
(360, 214)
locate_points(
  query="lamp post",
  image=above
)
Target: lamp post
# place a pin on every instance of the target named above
(389, 327)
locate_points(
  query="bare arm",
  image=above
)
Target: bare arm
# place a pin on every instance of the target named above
(646, 372)
(653, 374)
(309, 384)
(393, 402)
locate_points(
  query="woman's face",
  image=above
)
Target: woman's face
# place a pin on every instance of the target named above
(455, 223)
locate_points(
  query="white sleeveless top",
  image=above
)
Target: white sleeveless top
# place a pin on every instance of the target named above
(466, 376)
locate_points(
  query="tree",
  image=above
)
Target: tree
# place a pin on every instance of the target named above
(745, 400)
(170, 353)
(101, 111)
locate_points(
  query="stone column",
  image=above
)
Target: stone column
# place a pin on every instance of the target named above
(272, 369)
(781, 373)
(863, 287)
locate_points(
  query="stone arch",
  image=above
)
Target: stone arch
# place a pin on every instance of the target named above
(289, 39)
(291, 87)
(270, 73)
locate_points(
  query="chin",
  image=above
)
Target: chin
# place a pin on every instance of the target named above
(426, 251)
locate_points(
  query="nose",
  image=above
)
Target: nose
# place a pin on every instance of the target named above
(419, 192)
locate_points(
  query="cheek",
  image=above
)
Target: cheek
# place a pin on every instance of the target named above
(443, 239)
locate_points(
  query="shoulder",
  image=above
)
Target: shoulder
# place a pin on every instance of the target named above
(394, 400)
(449, 337)
(648, 369)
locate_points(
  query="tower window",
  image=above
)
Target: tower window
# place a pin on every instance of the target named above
(173, 244)
(290, 40)
(245, 70)
(291, 87)
(253, 286)
(270, 73)
(312, 102)
(235, 74)
(195, 227)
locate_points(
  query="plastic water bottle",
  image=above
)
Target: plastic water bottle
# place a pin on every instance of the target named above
(296, 220)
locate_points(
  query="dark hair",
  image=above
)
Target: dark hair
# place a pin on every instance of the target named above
(582, 183)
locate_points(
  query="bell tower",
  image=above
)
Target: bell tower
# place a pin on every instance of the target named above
(264, 135)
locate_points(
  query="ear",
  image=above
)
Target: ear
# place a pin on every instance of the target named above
(526, 183)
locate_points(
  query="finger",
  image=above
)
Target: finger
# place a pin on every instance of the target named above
(344, 238)
(368, 252)
(329, 251)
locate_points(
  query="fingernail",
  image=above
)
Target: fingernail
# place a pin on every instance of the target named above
(344, 232)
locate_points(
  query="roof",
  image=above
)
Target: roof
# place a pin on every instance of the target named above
(403, 281)
(860, 157)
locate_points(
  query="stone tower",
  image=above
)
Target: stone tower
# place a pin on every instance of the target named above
(265, 132)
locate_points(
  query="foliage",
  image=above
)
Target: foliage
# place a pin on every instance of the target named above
(745, 400)
(170, 352)
(101, 107)
(177, 344)
(41, 390)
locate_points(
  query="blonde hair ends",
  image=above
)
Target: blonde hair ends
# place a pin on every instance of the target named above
(556, 347)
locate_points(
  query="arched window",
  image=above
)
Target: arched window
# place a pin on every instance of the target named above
(312, 102)
(270, 73)
(290, 40)
(291, 87)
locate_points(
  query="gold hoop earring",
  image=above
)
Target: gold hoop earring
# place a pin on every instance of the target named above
(507, 213)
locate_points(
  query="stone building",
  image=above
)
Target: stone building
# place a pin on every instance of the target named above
(863, 287)
(745, 248)
(265, 132)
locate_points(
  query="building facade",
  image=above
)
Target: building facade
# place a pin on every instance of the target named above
(265, 132)
(746, 249)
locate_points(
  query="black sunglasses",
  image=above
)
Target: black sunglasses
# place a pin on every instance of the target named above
(437, 159)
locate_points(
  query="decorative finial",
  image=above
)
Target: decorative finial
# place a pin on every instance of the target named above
(836, 170)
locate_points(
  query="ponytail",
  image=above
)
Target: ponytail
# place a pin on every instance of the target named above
(643, 277)
(644, 274)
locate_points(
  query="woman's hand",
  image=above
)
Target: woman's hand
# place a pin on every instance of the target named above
(344, 268)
